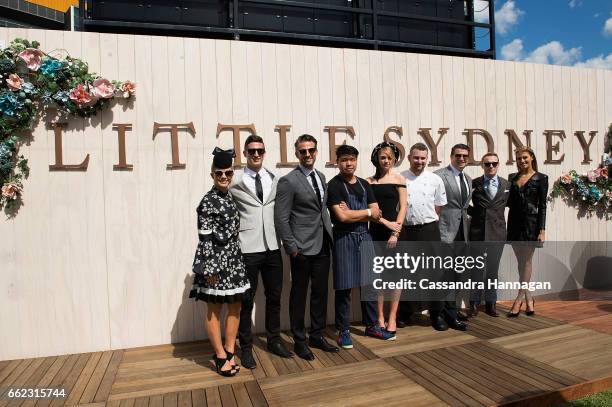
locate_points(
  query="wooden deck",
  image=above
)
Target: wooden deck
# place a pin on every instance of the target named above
(562, 353)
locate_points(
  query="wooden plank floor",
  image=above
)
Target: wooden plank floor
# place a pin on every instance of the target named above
(596, 315)
(525, 361)
(577, 350)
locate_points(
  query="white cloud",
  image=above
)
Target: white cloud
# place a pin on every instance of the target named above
(596, 15)
(607, 29)
(554, 53)
(599, 62)
(575, 3)
(507, 17)
(513, 51)
(481, 11)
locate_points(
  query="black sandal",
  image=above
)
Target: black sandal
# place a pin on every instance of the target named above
(230, 355)
(219, 363)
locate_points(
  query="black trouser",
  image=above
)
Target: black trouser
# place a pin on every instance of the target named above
(270, 265)
(305, 269)
(494, 252)
(427, 232)
(448, 308)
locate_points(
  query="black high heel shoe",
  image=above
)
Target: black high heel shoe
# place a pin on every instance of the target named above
(219, 363)
(511, 314)
(532, 312)
(230, 356)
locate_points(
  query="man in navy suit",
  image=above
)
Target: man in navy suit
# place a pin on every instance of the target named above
(488, 224)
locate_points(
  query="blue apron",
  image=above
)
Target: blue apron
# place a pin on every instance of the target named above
(353, 250)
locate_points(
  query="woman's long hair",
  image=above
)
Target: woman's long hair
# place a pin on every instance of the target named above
(523, 149)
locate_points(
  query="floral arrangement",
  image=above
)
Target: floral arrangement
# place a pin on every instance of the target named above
(32, 81)
(590, 192)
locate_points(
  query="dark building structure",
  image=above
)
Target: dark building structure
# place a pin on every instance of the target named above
(426, 26)
(25, 14)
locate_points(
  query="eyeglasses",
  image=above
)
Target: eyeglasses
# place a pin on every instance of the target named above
(252, 151)
(307, 150)
(493, 164)
(227, 173)
(461, 155)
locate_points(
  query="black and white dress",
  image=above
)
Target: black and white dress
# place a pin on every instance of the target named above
(220, 275)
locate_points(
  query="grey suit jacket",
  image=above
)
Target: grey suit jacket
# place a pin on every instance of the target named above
(257, 232)
(454, 210)
(300, 221)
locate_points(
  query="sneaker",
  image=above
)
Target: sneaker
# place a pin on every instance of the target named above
(344, 340)
(380, 333)
(391, 334)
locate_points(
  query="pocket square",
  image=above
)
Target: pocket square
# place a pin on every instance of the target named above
(506, 190)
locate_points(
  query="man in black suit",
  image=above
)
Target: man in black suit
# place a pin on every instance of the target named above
(489, 196)
(303, 224)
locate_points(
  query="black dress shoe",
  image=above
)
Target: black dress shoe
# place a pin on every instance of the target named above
(401, 324)
(458, 325)
(247, 360)
(303, 351)
(321, 343)
(474, 308)
(279, 349)
(438, 323)
(461, 316)
(491, 310)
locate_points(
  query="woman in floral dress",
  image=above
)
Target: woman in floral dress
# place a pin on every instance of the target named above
(220, 276)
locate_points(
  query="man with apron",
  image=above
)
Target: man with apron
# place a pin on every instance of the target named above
(352, 204)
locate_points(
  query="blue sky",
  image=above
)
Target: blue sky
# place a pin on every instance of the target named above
(562, 32)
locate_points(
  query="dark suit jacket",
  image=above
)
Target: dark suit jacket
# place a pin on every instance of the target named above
(488, 221)
(299, 219)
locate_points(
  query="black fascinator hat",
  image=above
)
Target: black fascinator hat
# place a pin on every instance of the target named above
(380, 146)
(223, 158)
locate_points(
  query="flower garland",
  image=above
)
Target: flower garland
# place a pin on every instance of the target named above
(590, 192)
(32, 81)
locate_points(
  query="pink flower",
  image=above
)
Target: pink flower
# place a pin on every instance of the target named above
(80, 95)
(32, 58)
(609, 195)
(10, 190)
(128, 88)
(103, 88)
(566, 179)
(603, 173)
(14, 82)
(592, 176)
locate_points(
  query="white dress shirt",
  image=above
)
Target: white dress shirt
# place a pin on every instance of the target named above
(307, 172)
(458, 179)
(266, 181)
(425, 192)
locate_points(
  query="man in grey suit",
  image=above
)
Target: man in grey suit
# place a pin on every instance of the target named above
(454, 218)
(304, 227)
(488, 224)
(254, 192)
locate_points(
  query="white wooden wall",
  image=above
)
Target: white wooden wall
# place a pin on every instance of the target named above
(101, 259)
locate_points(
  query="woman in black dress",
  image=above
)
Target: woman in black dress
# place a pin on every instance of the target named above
(220, 276)
(390, 192)
(526, 220)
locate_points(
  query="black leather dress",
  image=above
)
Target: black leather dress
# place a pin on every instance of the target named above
(527, 216)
